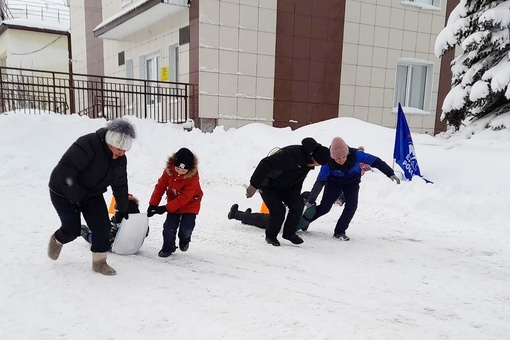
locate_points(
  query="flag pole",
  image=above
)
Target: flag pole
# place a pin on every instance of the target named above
(396, 122)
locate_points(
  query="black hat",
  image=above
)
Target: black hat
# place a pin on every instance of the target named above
(184, 159)
(321, 155)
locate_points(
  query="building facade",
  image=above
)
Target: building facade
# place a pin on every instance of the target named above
(34, 36)
(277, 62)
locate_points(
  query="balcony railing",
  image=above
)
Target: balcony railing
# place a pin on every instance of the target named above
(52, 12)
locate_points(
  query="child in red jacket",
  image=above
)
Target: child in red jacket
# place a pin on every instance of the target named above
(180, 182)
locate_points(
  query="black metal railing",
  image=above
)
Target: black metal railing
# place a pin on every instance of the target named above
(91, 95)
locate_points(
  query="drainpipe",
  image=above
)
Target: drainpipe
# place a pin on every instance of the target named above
(71, 79)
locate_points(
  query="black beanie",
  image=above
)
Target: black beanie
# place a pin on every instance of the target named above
(184, 159)
(321, 155)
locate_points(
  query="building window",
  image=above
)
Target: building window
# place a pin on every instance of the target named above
(413, 84)
(424, 4)
(121, 58)
(150, 71)
(173, 62)
(124, 3)
(130, 73)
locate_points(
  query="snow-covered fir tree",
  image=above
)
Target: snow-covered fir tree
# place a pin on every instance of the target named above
(481, 74)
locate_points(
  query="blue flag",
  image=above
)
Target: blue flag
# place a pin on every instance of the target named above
(404, 153)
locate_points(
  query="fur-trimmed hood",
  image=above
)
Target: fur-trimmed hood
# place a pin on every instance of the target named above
(170, 166)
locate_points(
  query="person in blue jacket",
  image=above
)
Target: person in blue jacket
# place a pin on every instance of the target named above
(343, 174)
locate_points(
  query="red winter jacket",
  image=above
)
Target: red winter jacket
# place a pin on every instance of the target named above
(183, 193)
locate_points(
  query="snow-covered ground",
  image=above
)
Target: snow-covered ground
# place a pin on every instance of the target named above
(425, 261)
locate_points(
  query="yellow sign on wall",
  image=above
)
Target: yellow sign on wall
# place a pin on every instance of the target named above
(164, 73)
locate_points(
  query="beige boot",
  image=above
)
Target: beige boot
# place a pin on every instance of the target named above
(99, 264)
(54, 248)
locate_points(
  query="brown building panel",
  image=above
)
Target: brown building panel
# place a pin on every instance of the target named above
(194, 24)
(445, 75)
(95, 56)
(309, 39)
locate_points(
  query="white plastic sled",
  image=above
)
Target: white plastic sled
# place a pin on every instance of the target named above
(131, 234)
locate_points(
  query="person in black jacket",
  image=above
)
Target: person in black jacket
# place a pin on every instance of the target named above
(343, 174)
(92, 163)
(279, 178)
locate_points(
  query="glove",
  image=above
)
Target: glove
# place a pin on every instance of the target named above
(250, 191)
(120, 215)
(395, 178)
(151, 210)
(161, 210)
(154, 209)
(309, 204)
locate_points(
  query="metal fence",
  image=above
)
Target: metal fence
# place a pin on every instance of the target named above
(94, 96)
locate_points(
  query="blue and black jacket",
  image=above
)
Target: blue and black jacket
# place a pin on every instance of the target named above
(348, 173)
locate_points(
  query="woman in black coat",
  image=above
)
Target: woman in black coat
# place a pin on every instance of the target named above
(279, 178)
(92, 163)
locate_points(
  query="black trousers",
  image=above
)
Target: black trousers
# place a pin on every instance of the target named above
(94, 212)
(276, 200)
(330, 195)
(184, 223)
(256, 219)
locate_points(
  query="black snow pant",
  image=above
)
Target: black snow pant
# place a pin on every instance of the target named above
(256, 219)
(276, 200)
(94, 212)
(185, 223)
(330, 195)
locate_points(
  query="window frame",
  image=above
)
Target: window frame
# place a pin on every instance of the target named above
(436, 4)
(124, 3)
(427, 87)
(173, 62)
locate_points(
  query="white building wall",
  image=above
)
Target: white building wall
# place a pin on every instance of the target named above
(153, 39)
(35, 50)
(376, 35)
(237, 57)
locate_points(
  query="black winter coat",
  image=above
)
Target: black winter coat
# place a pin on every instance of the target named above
(87, 168)
(283, 169)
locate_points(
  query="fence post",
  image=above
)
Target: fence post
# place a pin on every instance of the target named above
(54, 92)
(102, 98)
(1, 91)
(145, 97)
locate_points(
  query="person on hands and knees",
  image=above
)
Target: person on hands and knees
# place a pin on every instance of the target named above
(181, 184)
(279, 178)
(343, 174)
(92, 163)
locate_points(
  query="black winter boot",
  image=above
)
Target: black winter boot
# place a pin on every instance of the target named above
(233, 211)
(273, 241)
(184, 244)
(294, 239)
(166, 251)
